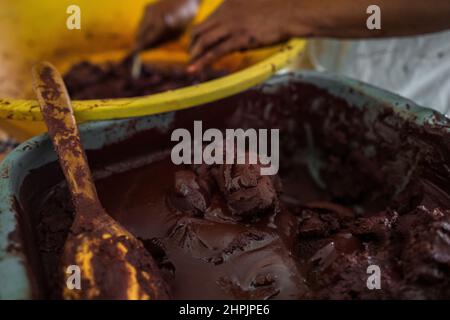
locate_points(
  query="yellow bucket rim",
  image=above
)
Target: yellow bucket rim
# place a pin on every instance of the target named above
(109, 109)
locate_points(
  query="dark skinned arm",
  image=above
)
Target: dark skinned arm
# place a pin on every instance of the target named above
(246, 24)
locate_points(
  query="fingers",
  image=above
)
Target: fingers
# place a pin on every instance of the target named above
(211, 23)
(202, 43)
(218, 50)
(203, 27)
(208, 40)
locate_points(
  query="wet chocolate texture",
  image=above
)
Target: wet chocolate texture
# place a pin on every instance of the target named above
(355, 188)
(86, 80)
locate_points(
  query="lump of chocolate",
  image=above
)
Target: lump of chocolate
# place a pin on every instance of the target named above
(191, 193)
(245, 190)
(313, 224)
(86, 80)
(345, 277)
(378, 226)
(426, 252)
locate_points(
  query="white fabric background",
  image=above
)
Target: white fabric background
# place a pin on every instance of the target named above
(417, 68)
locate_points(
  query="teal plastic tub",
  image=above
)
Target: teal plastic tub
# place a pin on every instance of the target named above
(19, 257)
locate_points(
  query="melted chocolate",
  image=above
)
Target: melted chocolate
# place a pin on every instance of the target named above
(380, 197)
(113, 80)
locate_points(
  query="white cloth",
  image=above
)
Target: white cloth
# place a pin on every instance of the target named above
(417, 67)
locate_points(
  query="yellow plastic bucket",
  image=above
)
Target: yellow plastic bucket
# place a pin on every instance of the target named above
(32, 31)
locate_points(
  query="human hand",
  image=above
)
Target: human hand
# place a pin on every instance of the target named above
(163, 20)
(239, 25)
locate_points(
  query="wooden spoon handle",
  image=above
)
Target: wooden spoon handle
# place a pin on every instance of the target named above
(62, 127)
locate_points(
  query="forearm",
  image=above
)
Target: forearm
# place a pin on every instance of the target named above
(347, 18)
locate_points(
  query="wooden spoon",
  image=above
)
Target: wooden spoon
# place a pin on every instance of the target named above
(113, 263)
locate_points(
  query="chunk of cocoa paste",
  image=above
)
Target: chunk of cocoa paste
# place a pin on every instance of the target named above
(245, 190)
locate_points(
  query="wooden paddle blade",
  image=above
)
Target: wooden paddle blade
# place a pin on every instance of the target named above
(62, 127)
(115, 265)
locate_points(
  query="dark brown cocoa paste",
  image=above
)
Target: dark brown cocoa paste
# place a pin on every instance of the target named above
(86, 80)
(357, 189)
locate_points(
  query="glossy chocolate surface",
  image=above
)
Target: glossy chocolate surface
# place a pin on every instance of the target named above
(380, 197)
